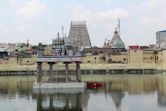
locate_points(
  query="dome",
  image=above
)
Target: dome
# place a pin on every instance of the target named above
(116, 41)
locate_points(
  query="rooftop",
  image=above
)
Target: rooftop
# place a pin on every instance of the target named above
(162, 31)
(78, 22)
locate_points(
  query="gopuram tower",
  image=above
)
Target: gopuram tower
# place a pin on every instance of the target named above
(79, 34)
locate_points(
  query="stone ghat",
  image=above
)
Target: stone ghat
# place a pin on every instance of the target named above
(83, 71)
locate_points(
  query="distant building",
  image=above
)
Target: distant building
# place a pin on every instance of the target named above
(152, 46)
(58, 46)
(23, 49)
(79, 34)
(34, 49)
(161, 39)
(116, 43)
(58, 42)
(4, 54)
(8, 47)
(63, 46)
(134, 47)
(41, 49)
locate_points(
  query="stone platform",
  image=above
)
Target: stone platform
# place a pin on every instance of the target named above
(70, 87)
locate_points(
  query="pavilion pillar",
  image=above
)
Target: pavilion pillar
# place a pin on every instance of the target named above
(78, 102)
(67, 71)
(51, 102)
(51, 71)
(39, 71)
(67, 102)
(78, 72)
(39, 102)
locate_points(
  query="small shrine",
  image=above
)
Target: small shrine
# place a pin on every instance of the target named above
(62, 51)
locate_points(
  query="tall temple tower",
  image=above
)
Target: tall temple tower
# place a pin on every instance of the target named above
(79, 34)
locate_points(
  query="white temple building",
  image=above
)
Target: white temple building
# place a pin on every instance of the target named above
(116, 41)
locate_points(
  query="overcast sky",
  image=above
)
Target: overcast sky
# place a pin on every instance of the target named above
(40, 20)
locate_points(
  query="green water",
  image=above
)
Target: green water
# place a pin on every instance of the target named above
(119, 93)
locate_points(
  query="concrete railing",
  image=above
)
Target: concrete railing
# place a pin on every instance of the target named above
(59, 59)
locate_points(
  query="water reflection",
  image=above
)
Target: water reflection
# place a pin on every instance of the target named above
(59, 102)
(162, 99)
(119, 93)
(162, 91)
(132, 84)
(117, 97)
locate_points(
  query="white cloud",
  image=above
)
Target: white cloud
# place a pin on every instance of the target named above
(32, 8)
(80, 13)
(12, 2)
(5, 30)
(153, 12)
(101, 23)
(2, 25)
(155, 3)
(140, 20)
(108, 1)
